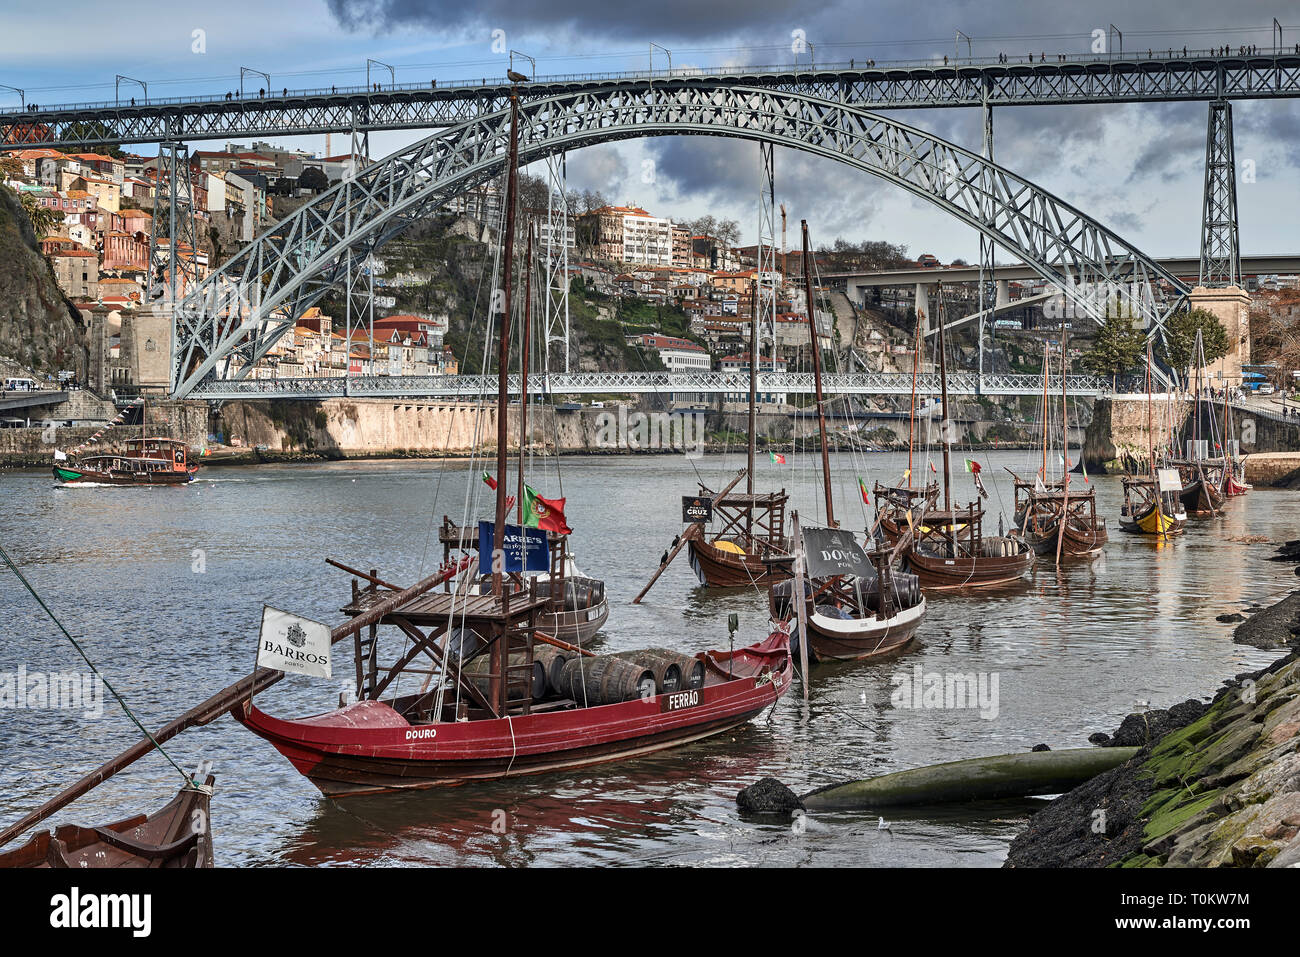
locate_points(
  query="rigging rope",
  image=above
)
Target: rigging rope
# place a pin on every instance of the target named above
(81, 651)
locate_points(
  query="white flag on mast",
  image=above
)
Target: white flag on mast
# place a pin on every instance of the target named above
(289, 642)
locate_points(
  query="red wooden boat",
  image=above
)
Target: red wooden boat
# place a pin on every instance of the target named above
(177, 836)
(376, 746)
(485, 707)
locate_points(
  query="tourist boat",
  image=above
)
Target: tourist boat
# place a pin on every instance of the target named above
(750, 526)
(487, 706)
(1233, 473)
(1201, 476)
(947, 548)
(178, 835)
(578, 607)
(426, 739)
(855, 606)
(1202, 492)
(1055, 521)
(153, 461)
(1150, 510)
(851, 617)
(753, 533)
(895, 502)
(1152, 505)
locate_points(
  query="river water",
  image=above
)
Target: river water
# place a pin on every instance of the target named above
(164, 589)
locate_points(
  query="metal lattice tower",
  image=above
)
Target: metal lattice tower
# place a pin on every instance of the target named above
(171, 273)
(1220, 252)
(558, 224)
(988, 295)
(764, 312)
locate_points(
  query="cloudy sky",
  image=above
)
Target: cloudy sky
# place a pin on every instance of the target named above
(1138, 169)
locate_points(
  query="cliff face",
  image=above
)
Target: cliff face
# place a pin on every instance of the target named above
(39, 328)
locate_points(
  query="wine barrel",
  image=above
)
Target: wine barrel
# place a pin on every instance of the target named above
(692, 668)
(668, 674)
(553, 660)
(478, 670)
(606, 680)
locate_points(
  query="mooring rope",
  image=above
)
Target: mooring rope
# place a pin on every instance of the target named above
(81, 651)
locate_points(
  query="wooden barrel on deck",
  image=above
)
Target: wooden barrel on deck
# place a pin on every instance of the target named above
(668, 673)
(692, 669)
(606, 680)
(553, 660)
(479, 669)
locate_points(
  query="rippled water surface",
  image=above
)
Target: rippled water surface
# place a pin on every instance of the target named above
(1073, 651)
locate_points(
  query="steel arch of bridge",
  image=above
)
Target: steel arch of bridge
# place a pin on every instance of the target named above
(238, 313)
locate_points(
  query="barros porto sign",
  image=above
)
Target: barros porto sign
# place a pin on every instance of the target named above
(290, 642)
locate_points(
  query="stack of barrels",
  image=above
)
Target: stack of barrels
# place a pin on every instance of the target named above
(612, 679)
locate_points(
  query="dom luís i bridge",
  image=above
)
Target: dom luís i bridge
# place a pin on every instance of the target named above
(224, 323)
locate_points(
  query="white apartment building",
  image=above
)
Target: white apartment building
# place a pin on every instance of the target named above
(648, 240)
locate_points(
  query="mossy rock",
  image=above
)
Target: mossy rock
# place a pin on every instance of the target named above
(1170, 819)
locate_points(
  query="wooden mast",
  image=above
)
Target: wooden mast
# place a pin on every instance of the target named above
(1065, 453)
(943, 388)
(523, 368)
(911, 416)
(1042, 472)
(817, 377)
(753, 389)
(503, 352)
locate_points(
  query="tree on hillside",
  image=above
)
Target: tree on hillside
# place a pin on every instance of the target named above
(1119, 346)
(314, 179)
(1275, 329)
(1180, 339)
(867, 254)
(43, 218)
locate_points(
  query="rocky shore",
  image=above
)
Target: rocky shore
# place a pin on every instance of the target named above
(1214, 785)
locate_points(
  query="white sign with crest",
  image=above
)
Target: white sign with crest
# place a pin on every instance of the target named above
(290, 642)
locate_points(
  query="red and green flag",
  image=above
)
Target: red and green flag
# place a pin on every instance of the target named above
(544, 513)
(777, 457)
(862, 487)
(489, 481)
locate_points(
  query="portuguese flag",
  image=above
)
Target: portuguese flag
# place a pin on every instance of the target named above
(489, 480)
(544, 513)
(862, 487)
(777, 458)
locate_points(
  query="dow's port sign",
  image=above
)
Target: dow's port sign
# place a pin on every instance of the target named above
(696, 509)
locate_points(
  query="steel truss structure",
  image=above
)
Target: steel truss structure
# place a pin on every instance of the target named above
(171, 272)
(231, 320)
(1220, 250)
(479, 387)
(1104, 79)
(556, 277)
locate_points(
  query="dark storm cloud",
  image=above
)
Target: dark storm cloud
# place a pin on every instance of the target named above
(1100, 158)
(583, 19)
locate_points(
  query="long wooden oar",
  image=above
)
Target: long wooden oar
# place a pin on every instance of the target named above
(695, 529)
(211, 709)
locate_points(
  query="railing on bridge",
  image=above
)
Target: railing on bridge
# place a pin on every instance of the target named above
(1164, 75)
(476, 387)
